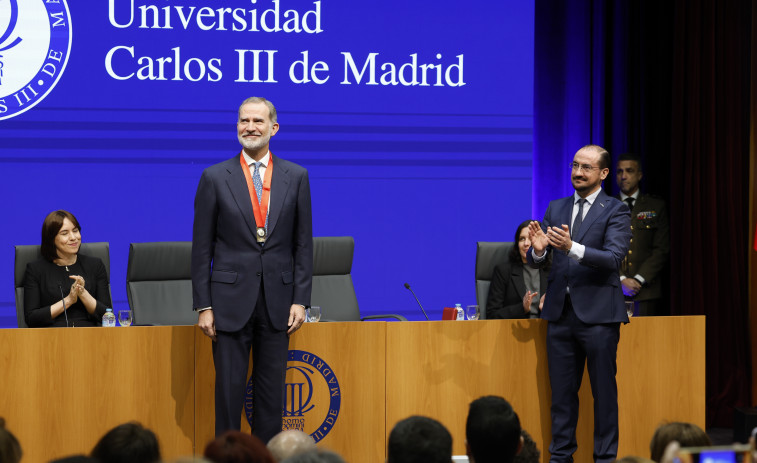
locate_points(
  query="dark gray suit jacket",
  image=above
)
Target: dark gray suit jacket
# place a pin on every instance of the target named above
(507, 289)
(229, 266)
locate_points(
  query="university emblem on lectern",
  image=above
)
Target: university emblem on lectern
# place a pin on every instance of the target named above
(313, 397)
(35, 42)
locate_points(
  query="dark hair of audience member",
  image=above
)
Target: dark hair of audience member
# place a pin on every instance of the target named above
(492, 430)
(687, 434)
(238, 447)
(10, 449)
(192, 459)
(127, 443)
(315, 456)
(529, 453)
(76, 459)
(632, 459)
(419, 439)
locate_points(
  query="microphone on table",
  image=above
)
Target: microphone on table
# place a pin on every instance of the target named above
(63, 300)
(407, 285)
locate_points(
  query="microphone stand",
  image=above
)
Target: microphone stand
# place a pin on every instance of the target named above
(407, 285)
(63, 300)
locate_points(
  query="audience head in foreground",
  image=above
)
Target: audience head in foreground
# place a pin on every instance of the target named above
(237, 447)
(315, 456)
(290, 443)
(686, 434)
(529, 453)
(127, 443)
(419, 439)
(10, 449)
(633, 459)
(492, 431)
(76, 459)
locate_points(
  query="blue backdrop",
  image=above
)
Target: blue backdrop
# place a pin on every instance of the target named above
(417, 171)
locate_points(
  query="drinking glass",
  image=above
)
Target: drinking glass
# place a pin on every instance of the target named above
(313, 314)
(124, 317)
(630, 307)
(473, 312)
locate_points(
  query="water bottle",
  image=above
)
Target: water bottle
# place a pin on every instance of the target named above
(109, 319)
(460, 313)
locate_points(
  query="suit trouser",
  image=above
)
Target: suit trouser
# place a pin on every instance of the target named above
(570, 343)
(231, 357)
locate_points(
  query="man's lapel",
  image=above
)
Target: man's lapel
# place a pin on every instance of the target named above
(567, 214)
(238, 187)
(596, 211)
(279, 191)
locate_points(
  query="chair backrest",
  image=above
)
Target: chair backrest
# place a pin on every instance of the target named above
(159, 283)
(332, 283)
(28, 253)
(488, 255)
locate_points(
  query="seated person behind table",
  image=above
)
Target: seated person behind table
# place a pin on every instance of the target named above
(81, 279)
(515, 287)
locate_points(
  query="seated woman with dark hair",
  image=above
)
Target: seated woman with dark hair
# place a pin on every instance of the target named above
(515, 286)
(63, 278)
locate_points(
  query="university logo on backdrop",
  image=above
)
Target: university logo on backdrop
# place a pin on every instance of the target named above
(313, 397)
(35, 43)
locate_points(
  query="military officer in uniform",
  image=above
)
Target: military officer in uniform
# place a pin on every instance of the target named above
(648, 253)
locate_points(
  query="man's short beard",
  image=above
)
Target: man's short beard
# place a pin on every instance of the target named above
(254, 144)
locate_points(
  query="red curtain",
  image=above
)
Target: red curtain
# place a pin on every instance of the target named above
(709, 166)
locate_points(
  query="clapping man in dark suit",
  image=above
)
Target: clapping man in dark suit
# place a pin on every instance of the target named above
(252, 267)
(642, 268)
(588, 235)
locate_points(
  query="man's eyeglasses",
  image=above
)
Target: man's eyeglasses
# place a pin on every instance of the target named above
(584, 167)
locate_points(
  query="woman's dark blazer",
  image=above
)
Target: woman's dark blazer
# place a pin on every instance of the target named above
(507, 289)
(43, 282)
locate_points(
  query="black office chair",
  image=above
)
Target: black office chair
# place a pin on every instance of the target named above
(28, 253)
(159, 283)
(332, 282)
(488, 255)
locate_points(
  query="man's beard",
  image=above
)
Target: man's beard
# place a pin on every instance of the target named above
(584, 188)
(254, 143)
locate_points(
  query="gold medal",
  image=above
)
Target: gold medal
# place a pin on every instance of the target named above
(260, 235)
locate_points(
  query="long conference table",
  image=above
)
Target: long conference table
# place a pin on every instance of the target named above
(347, 383)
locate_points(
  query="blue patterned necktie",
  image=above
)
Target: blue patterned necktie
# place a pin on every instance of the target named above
(259, 187)
(256, 181)
(579, 218)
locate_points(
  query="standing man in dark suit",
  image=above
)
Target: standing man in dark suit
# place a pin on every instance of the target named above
(587, 234)
(252, 267)
(642, 268)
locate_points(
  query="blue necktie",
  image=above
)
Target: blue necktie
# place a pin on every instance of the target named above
(259, 187)
(579, 218)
